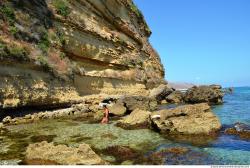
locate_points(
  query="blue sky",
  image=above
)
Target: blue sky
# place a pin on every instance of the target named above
(201, 41)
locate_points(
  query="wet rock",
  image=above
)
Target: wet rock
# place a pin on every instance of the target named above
(239, 129)
(176, 156)
(160, 93)
(121, 153)
(198, 140)
(159, 157)
(186, 120)
(117, 109)
(141, 102)
(137, 119)
(175, 97)
(212, 94)
(61, 154)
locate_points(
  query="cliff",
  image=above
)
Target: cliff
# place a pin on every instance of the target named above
(55, 51)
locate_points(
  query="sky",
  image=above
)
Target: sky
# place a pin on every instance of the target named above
(201, 41)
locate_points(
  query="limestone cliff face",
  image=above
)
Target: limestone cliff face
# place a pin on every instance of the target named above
(54, 51)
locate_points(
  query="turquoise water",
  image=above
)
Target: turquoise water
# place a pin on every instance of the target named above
(225, 149)
(236, 107)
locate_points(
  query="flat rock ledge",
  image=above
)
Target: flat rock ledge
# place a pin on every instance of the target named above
(44, 152)
(186, 120)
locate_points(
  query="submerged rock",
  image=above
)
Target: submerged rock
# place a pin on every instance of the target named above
(212, 94)
(159, 157)
(239, 129)
(122, 154)
(160, 93)
(40, 153)
(176, 156)
(137, 119)
(186, 120)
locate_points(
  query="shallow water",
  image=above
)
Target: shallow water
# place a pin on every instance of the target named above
(225, 149)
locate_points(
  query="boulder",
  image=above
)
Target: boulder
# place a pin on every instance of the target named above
(61, 154)
(133, 102)
(137, 119)
(160, 93)
(7, 120)
(239, 129)
(186, 120)
(175, 97)
(117, 109)
(212, 94)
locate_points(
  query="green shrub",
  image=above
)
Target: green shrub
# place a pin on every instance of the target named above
(8, 14)
(61, 36)
(61, 7)
(13, 30)
(13, 52)
(62, 55)
(139, 14)
(44, 43)
(136, 10)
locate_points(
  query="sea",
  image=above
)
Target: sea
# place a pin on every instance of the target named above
(223, 150)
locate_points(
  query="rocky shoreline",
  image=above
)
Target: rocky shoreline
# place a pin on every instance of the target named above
(183, 122)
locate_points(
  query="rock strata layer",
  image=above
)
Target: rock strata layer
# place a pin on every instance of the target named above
(54, 51)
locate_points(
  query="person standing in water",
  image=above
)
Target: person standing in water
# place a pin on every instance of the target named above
(105, 119)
